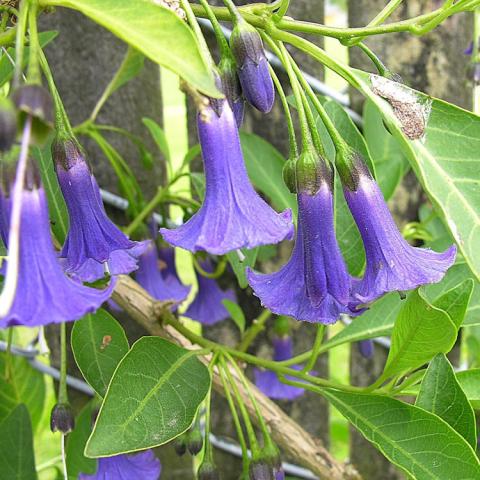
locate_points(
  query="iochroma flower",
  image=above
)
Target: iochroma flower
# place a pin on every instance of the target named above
(94, 245)
(268, 382)
(44, 293)
(233, 215)
(207, 306)
(314, 285)
(140, 466)
(156, 276)
(391, 262)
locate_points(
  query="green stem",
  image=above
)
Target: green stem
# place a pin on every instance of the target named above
(233, 10)
(317, 142)
(8, 37)
(316, 348)
(217, 29)
(282, 10)
(62, 388)
(213, 275)
(257, 326)
(288, 116)
(236, 421)
(382, 70)
(254, 447)
(33, 75)
(20, 41)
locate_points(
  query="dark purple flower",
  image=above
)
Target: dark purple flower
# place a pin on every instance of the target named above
(3, 218)
(44, 293)
(269, 383)
(252, 67)
(392, 264)
(94, 245)
(314, 285)
(366, 348)
(140, 466)
(160, 284)
(207, 307)
(233, 215)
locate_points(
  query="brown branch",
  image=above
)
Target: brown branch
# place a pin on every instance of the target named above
(288, 434)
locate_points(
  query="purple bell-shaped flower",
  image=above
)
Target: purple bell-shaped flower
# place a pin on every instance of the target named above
(314, 285)
(269, 383)
(392, 263)
(94, 245)
(233, 215)
(160, 282)
(44, 294)
(140, 466)
(207, 307)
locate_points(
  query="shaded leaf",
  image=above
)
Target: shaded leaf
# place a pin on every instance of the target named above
(236, 313)
(240, 262)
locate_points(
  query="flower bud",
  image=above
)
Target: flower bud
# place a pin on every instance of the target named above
(366, 348)
(261, 470)
(180, 445)
(8, 124)
(281, 326)
(195, 441)
(311, 170)
(208, 471)
(289, 175)
(231, 87)
(62, 418)
(252, 65)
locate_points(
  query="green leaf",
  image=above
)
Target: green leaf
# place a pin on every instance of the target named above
(98, 343)
(56, 204)
(130, 67)
(152, 398)
(264, 165)
(390, 162)
(17, 459)
(236, 313)
(154, 30)
(421, 331)
(158, 135)
(248, 260)
(469, 381)
(24, 385)
(77, 462)
(441, 394)
(418, 442)
(444, 160)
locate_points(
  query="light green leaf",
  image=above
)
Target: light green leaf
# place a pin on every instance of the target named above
(154, 30)
(98, 343)
(17, 458)
(77, 462)
(390, 162)
(248, 260)
(131, 66)
(158, 135)
(264, 165)
(421, 331)
(441, 394)
(418, 442)
(56, 204)
(470, 381)
(236, 313)
(152, 398)
(24, 385)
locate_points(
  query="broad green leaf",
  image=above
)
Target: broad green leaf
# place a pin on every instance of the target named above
(77, 462)
(418, 442)
(470, 382)
(17, 459)
(421, 331)
(6, 65)
(236, 313)
(152, 398)
(98, 344)
(56, 204)
(265, 164)
(130, 67)
(248, 258)
(445, 160)
(441, 394)
(388, 157)
(24, 385)
(154, 30)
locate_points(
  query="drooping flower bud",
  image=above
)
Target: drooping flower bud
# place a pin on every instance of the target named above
(208, 471)
(252, 64)
(180, 445)
(62, 418)
(366, 348)
(195, 441)
(8, 124)
(231, 87)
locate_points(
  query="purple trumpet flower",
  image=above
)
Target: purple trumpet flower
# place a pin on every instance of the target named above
(94, 244)
(44, 293)
(392, 263)
(252, 67)
(162, 284)
(140, 466)
(207, 307)
(268, 381)
(314, 285)
(233, 215)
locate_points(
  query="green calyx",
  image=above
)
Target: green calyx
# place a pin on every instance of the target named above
(311, 170)
(289, 174)
(350, 166)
